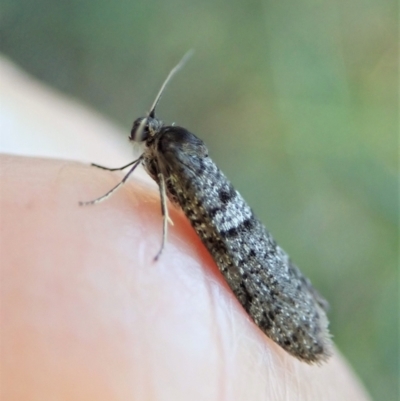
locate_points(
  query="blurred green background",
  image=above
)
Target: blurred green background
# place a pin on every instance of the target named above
(298, 104)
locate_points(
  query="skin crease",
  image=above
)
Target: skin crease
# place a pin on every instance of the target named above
(87, 315)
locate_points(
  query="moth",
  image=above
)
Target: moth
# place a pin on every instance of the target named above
(272, 290)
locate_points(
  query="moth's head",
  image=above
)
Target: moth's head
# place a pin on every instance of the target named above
(145, 128)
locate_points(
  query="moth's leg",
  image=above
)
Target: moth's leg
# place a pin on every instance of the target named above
(164, 212)
(114, 169)
(105, 196)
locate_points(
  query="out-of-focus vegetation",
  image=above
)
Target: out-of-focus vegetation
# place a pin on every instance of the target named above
(297, 102)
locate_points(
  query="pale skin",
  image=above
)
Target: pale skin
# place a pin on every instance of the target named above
(86, 314)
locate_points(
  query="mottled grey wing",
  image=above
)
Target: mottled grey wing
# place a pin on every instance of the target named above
(280, 300)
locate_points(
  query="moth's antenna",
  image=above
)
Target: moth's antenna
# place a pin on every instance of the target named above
(138, 133)
(183, 61)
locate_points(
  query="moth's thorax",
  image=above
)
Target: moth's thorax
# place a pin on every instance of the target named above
(173, 151)
(178, 141)
(169, 146)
